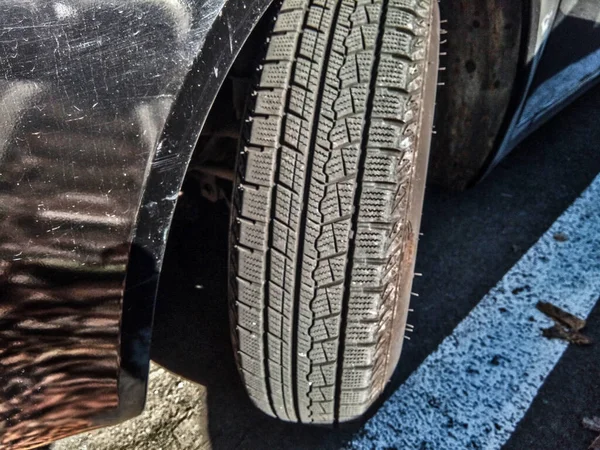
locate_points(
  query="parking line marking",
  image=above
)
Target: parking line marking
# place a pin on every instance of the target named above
(475, 388)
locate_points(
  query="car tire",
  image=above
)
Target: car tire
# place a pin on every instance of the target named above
(327, 202)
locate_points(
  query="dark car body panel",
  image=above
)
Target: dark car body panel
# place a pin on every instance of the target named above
(101, 106)
(562, 62)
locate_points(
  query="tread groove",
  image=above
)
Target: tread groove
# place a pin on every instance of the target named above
(303, 218)
(357, 196)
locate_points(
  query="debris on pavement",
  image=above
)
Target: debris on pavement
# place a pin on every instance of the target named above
(560, 237)
(560, 332)
(593, 424)
(561, 316)
(566, 326)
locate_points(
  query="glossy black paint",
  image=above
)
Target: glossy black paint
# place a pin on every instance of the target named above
(569, 66)
(561, 61)
(101, 104)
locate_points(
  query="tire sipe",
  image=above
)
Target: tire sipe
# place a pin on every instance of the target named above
(327, 203)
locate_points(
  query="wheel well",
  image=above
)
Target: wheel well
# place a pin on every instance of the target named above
(481, 55)
(213, 161)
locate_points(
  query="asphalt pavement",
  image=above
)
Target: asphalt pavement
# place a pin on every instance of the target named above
(470, 241)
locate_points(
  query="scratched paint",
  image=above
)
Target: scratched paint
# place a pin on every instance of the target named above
(85, 90)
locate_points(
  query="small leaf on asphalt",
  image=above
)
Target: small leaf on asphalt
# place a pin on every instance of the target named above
(561, 316)
(560, 332)
(560, 237)
(567, 326)
(591, 423)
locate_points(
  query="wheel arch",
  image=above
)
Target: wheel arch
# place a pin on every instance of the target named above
(224, 41)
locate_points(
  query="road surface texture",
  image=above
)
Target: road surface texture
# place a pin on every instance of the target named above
(470, 243)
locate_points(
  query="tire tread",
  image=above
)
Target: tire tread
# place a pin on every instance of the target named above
(315, 260)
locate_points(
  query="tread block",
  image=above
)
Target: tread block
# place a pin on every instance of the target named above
(297, 102)
(251, 344)
(309, 44)
(344, 104)
(413, 5)
(289, 21)
(352, 412)
(349, 72)
(279, 269)
(250, 318)
(281, 47)
(296, 133)
(287, 206)
(391, 104)
(315, 18)
(252, 365)
(360, 16)
(305, 74)
(393, 72)
(275, 74)
(346, 131)
(337, 201)
(397, 41)
(325, 302)
(275, 349)
(249, 293)
(401, 18)
(330, 270)
(278, 298)
(281, 236)
(251, 265)
(270, 102)
(356, 378)
(342, 162)
(291, 169)
(350, 398)
(259, 166)
(367, 275)
(359, 356)
(333, 238)
(382, 167)
(256, 202)
(362, 37)
(325, 329)
(252, 234)
(364, 306)
(371, 242)
(324, 373)
(383, 134)
(377, 204)
(351, 100)
(275, 328)
(361, 332)
(265, 131)
(293, 4)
